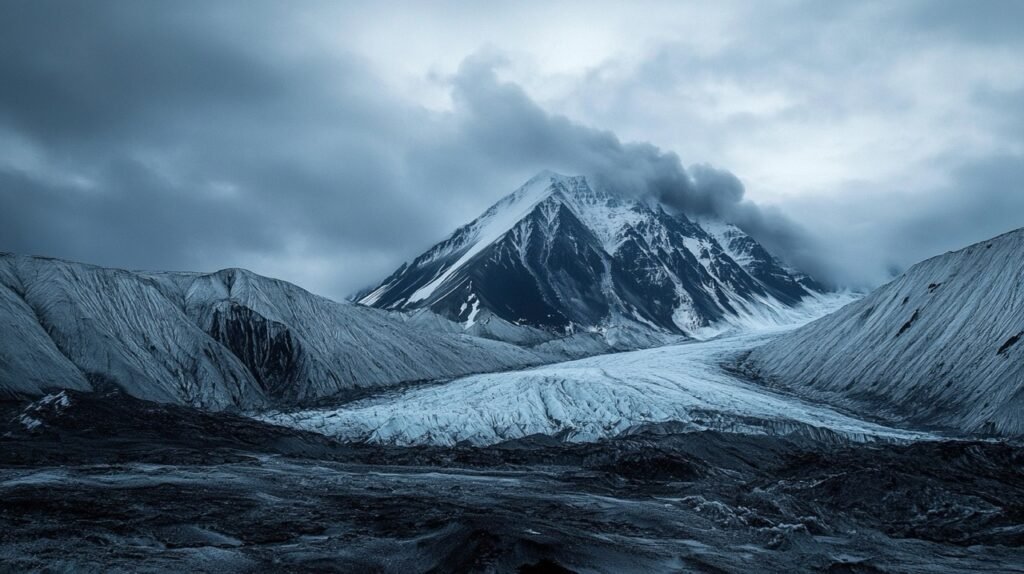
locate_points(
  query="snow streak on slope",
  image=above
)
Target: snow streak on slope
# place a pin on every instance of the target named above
(230, 338)
(587, 400)
(939, 345)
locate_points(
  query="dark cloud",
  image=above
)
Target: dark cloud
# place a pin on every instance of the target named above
(197, 135)
(78, 71)
(161, 137)
(503, 122)
(993, 21)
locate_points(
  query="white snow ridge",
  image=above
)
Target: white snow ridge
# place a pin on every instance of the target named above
(940, 345)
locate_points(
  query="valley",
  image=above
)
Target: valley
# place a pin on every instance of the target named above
(687, 385)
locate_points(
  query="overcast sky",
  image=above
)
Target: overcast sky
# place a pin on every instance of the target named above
(326, 143)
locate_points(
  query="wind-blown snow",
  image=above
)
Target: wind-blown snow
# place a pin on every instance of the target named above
(588, 399)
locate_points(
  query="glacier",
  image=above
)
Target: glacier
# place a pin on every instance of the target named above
(594, 398)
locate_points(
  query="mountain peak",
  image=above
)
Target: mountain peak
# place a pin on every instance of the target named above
(568, 187)
(562, 253)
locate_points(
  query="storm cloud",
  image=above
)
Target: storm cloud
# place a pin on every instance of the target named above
(503, 124)
(326, 144)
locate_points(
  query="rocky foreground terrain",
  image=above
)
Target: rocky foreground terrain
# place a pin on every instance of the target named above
(104, 482)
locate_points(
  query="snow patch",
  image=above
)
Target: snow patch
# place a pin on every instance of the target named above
(471, 319)
(48, 406)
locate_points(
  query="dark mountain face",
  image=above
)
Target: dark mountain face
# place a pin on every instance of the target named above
(546, 258)
(562, 255)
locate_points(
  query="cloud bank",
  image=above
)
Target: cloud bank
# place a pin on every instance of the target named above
(301, 144)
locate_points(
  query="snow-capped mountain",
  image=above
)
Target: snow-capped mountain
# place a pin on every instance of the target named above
(563, 255)
(230, 338)
(943, 344)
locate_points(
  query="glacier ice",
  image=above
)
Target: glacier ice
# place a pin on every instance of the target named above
(589, 399)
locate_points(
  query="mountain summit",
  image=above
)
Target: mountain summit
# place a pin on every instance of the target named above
(562, 254)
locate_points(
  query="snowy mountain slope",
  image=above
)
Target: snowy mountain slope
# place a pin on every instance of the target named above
(339, 345)
(116, 326)
(25, 347)
(939, 345)
(787, 285)
(561, 255)
(588, 399)
(230, 338)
